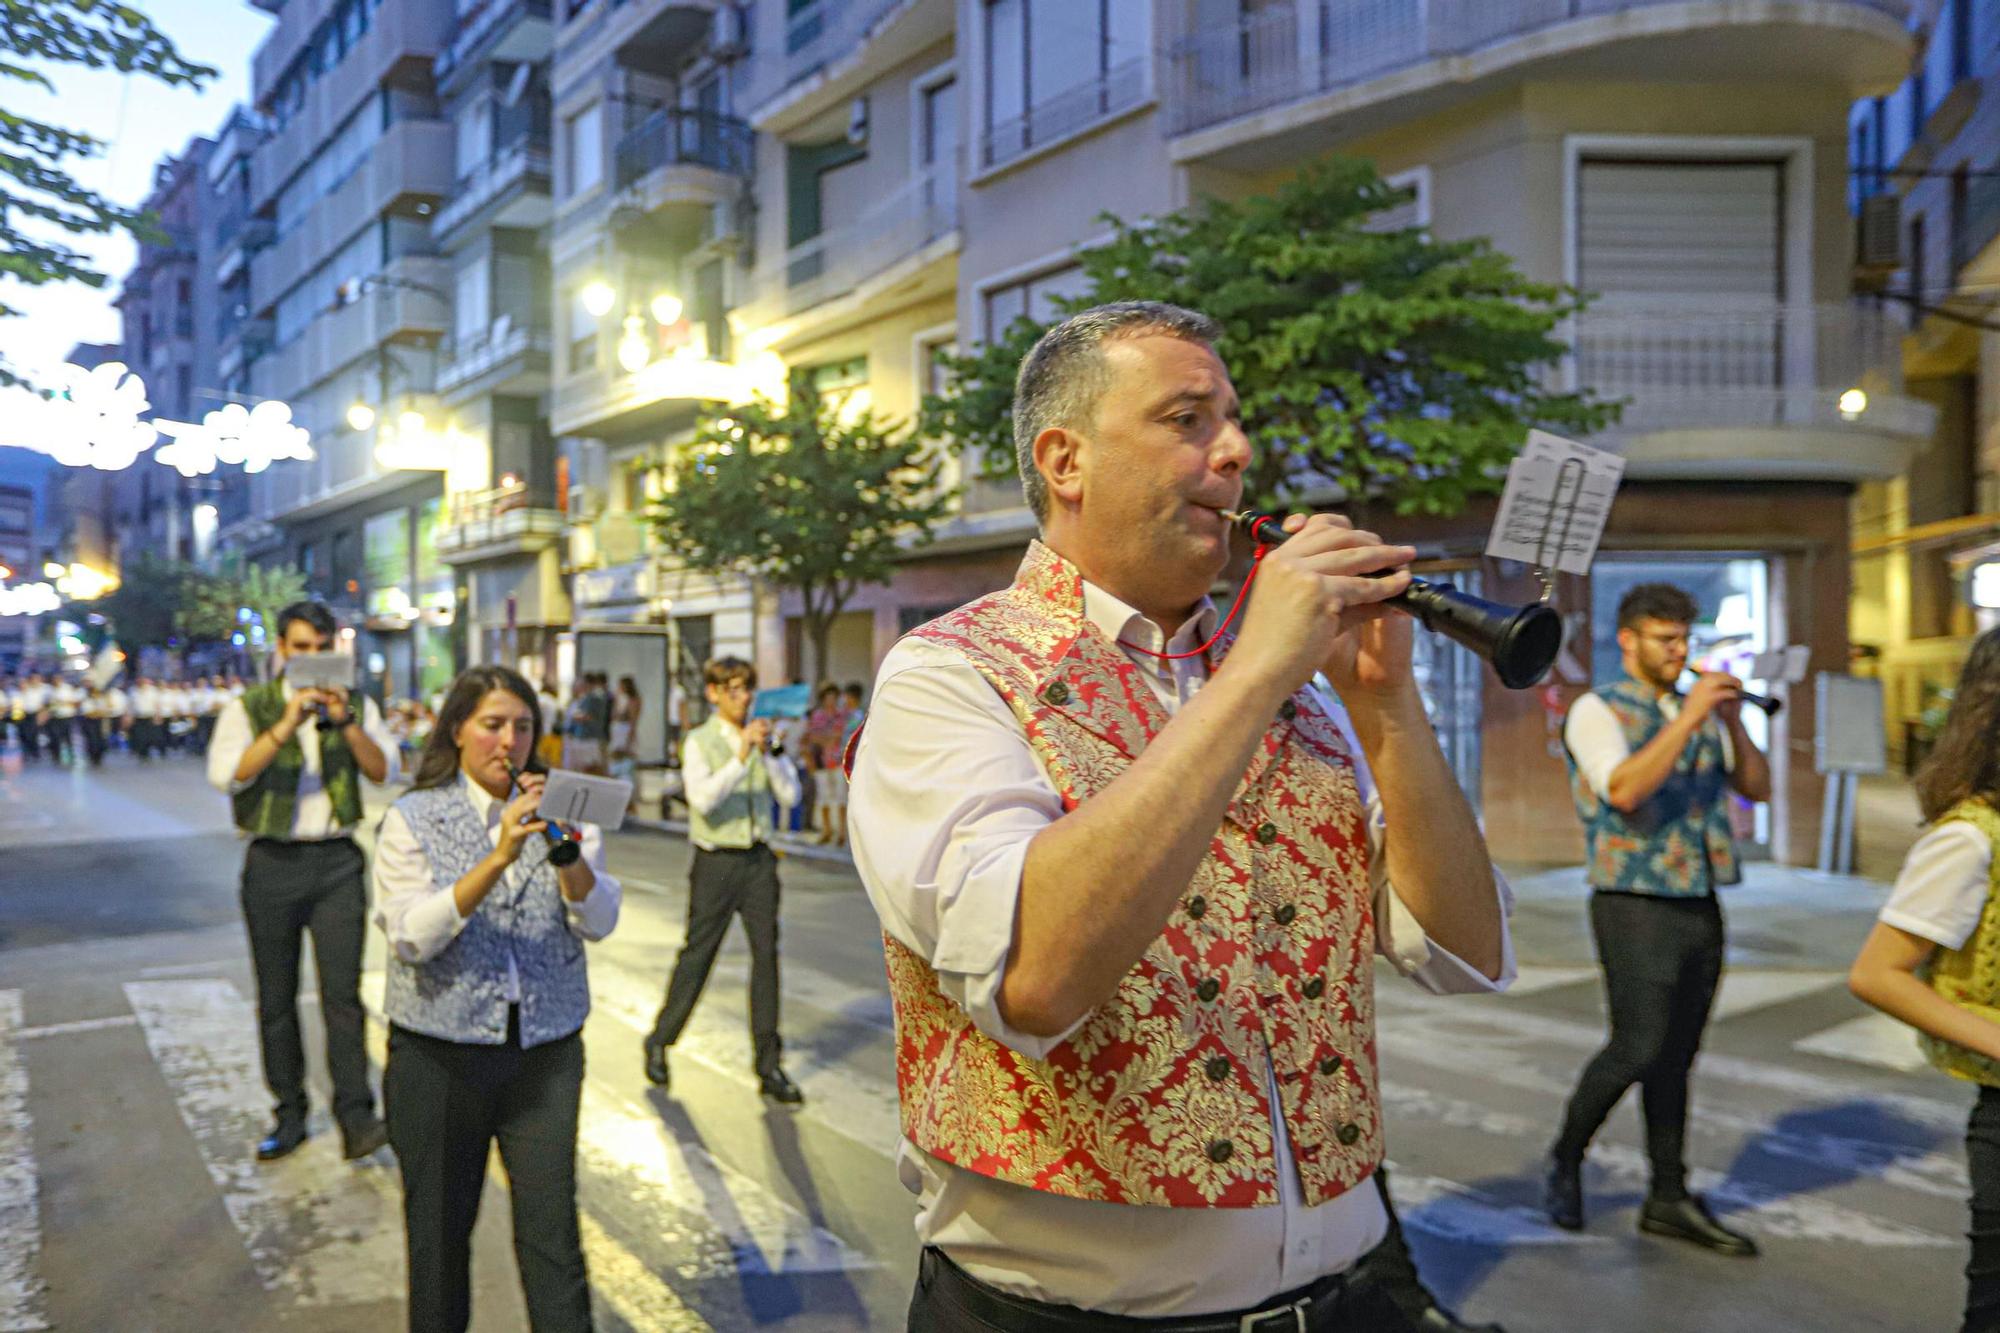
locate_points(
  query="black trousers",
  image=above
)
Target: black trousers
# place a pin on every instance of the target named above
(145, 736)
(290, 888)
(723, 884)
(1662, 959)
(1982, 1269)
(448, 1102)
(92, 730)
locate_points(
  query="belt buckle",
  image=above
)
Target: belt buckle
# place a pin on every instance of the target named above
(1259, 1322)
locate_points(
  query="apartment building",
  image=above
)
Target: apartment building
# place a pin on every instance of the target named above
(348, 306)
(1925, 171)
(502, 524)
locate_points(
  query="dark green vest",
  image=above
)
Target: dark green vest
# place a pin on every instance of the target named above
(1678, 843)
(264, 808)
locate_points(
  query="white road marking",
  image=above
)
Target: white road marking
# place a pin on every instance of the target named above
(1871, 1039)
(632, 1290)
(1455, 1212)
(1745, 991)
(318, 1231)
(78, 1025)
(212, 968)
(1529, 978)
(23, 1298)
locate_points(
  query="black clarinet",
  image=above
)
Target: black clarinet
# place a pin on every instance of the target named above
(563, 849)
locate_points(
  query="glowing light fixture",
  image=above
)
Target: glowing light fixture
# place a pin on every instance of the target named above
(667, 308)
(1852, 404)
(598, 298)
(633, 352)
(360, 416)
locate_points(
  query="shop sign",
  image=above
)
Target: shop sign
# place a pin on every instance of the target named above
(1982, 585)
(630, 582)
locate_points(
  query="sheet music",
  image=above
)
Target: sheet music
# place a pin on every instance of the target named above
(1557, 499)
(581, 798)
(1782, 665)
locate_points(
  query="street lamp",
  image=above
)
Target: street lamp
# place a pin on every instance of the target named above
(598, 298)
(633, 352)
(667, 308)
(360, 416)
(1852, 404)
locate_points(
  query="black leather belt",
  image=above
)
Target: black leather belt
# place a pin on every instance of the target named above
(1295, 1311)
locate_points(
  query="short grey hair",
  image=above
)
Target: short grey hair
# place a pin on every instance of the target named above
(1064, 375)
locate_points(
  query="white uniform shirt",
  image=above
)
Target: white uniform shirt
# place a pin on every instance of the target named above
(1942, 888)
(312, 812)
(65, 700)
(116, 703)
(420, 918)
(1593, 734)
(948, 795)
(705, 788)
(146, 701)
(33, 698)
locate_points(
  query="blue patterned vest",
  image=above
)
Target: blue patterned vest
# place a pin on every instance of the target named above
(460, 995)
(1678, 843)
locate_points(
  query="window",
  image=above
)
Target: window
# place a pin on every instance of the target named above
(1414, 212)
(583, 148)
(470, 305)
(475, 136)
(582, 332)
(833, 377)
(1055, 66)
(1032, 297)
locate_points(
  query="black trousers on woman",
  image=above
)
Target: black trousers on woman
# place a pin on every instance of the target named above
(1982, 1270)
(448, 1102)
(1662, 960)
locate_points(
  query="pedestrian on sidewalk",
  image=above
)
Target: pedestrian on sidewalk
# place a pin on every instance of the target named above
(291, 761)
(1933, 957)
(730, 778)
(487, 994)
(1651, 772)
(1132, 875)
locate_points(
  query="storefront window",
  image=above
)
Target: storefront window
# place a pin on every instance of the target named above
(1451, 680)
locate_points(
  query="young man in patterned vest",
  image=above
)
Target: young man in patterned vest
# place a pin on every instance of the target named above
(1132, 888)
(730, 779)
(291, 762)
(1651, 773)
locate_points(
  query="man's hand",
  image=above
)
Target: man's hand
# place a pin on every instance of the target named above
(296, 708)
(334, 697)
(1715, 692)
(756, 732)
(1315, 607)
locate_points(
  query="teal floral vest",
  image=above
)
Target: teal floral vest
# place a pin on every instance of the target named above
(1676, 845)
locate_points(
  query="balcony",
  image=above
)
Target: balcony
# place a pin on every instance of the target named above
(606, 398)
(504, 358)
(678, 163)
(1757, 392)
(510, 30)
(1060, 116)
(1292, 68)
(338, 338)
(834, 49)
(897, 240)
(509, 189)
(494, 524)
(243, 342)
(1974, 256)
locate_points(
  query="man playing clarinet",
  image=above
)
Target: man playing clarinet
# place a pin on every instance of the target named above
(1133, 873)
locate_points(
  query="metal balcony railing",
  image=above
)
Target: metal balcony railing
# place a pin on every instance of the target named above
(923, 209)
(515, 158)
(470, 357)
(1220, 71)
(467, 507)
(1746, 367)
(480, 26)
(1064, 114)
(683, 136)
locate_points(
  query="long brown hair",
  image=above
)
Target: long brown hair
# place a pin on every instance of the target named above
(439, 763)
(1965, 762)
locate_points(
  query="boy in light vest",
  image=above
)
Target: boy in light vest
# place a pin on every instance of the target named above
(730, 777)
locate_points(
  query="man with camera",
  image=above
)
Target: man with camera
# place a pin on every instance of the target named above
(291, 759)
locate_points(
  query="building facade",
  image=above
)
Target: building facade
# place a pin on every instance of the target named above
(1925, 173)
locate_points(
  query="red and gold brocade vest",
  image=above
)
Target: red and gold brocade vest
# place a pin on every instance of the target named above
(1159, 1098)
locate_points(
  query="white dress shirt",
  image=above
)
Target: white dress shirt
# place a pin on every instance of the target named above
(65, 700)
(420, 917)
(312, 812)
(1597, 739)
(1942, 889)
(705, 788)
(947, 796)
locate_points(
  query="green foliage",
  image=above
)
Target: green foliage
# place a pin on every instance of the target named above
(210, 599)
(40, 201)
(146, 605)
(807, 496)
(1391, 366)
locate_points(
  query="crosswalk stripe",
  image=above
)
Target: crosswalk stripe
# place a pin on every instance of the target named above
(1529, 978)
(1872, 1039)
(23, 1299)
(76, 1025)
(1454, 1212)
(632, 1290)
(318, 1232)
(1744, 992)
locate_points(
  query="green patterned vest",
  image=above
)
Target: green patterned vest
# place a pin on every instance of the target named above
(1677, 844)
(264, 808)
(1969, 976)
(744, 816)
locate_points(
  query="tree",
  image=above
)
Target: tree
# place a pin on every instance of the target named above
(211, 600)
(809, 495)
(40, 202)
(1382, 365)
(144, 607)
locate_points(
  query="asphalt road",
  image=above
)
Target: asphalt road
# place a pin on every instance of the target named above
(130, 1098)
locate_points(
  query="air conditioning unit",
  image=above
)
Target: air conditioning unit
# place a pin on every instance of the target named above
(1878, 238)
(729, 39)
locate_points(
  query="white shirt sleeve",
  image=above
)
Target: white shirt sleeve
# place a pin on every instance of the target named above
(225, 748)
(1941, 891)
(946, 798)
(595, 916)
(1399, 936)
(377, 730)
(1596, 741)
(419, 917)
(705, 788)
(784, 778)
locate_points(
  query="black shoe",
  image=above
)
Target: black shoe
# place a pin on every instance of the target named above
(283, 1140)
(1562, 1194)
(364, 1139)
(780, 1088)
(1689, 1219)
(657, 1072)
(1437, 1319)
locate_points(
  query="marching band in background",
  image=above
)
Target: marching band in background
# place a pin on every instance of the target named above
(69, 716)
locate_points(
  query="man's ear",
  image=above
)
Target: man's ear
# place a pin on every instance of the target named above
(1628, 640)
(1059, 458)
